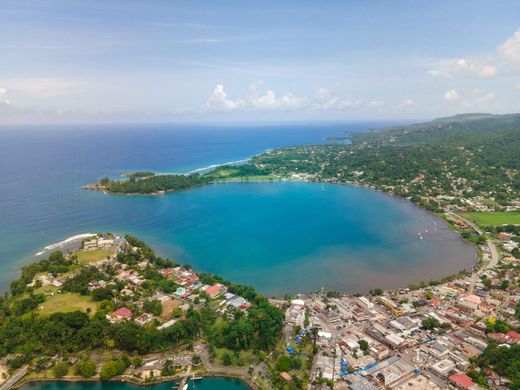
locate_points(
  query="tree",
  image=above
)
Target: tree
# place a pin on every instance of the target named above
(430, 323)
(505, 284)
(227, 358)
(112, 368)
(85, 368)
(154, 307)
(363, 345)
(60, 369)
(102, 294)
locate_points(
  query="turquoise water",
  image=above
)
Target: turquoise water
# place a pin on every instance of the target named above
(204, 384)
(281, 237)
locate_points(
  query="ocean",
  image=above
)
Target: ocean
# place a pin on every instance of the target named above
(279, 237)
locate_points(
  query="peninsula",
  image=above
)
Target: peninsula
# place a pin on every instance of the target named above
(470, 162)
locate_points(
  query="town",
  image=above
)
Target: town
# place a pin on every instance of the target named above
(428, 336)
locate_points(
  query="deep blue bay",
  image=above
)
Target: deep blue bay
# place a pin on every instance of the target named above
(281, 237)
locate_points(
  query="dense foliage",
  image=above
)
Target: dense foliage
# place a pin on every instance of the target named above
(145, 183)
(505, 361)
(28, 334)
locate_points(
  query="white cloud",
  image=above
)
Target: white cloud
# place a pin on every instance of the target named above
(487, 72)
(326, 100)
(323, 100)
(517, 87)
(376, 104)
(480, 96)
(269, 101)
(451, 95)
(43, 86)
(408, 103)
(218, 100)
(509, 51)
(3, 96)
(473, 67)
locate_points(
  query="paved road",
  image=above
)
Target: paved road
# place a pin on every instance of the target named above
(15, 378)
(495, 256)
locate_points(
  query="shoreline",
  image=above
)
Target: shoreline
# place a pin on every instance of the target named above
(474, 267)
(135, 381)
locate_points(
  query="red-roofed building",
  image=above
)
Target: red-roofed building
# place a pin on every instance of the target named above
(123, 312)
(500, 338)
(167, 272)
(213, 291)
(461, 380)
(285, 376)
(120, 315)
(513, 336)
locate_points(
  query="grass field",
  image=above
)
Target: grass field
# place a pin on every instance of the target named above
(495, 218)
(60, 303)
(87, 257)
(244, 359)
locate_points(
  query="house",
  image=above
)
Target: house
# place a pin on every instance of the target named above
(151, 369)
(167, 272)
(461, 381)
(180, 291)
(143, 319)
(119, 315)
(213, 291)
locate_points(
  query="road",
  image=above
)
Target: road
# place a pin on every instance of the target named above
(15, 378)
(493, 251)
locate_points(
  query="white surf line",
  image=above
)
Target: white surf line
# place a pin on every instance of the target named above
(219, 165)
(66, 241)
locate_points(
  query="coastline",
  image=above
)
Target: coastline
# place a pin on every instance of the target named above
(135, 381)
(472, 268)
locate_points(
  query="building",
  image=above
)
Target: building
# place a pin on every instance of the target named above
(396, 310)
(213, 291)
(143, 319)
(443, 367)
(461, 381)
(120, 314)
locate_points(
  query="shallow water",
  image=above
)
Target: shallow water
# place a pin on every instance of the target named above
(281, 237)
(204, 384)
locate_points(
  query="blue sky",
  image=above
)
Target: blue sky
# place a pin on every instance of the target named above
(271, 60)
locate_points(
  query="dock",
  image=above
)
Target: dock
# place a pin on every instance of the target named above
(184, 378)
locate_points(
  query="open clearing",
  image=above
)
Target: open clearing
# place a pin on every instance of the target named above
(60, 303)
(495, 218)
(168, 307)
(87, 257)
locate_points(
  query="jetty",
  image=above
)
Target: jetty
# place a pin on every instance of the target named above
(184, 380)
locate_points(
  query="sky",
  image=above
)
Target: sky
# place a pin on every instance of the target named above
(154, 60)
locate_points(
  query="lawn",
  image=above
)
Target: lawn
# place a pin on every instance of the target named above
(245, 358)
(46, 290)
(67, 302)
(495, 218)
(93, 256)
